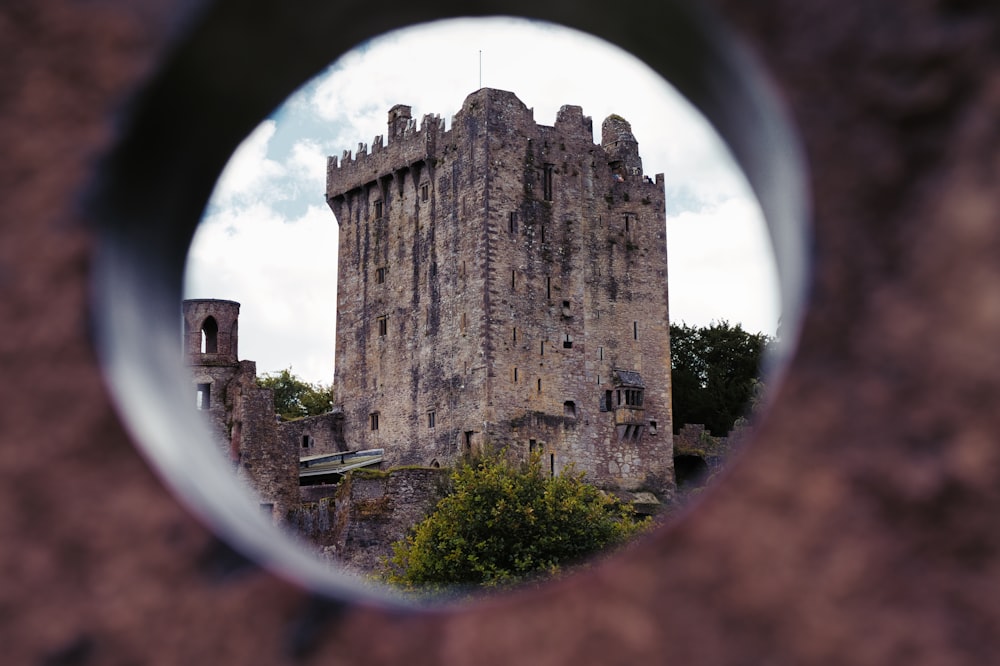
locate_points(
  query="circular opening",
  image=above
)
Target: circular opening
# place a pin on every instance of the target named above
(139, 269)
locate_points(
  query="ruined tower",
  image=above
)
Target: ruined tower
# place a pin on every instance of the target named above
(240, 413)
(504, 283)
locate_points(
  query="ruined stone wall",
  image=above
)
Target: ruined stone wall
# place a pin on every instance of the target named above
(493, 283)
(314, 435)
(268, 463)
(370, 512)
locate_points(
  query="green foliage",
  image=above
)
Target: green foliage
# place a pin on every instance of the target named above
(715, 374)
(503, 523)
(294, 398)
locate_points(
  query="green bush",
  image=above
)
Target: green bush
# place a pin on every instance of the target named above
(503, 523)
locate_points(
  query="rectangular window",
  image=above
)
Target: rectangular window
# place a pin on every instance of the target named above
(548, 287)
(512, 222)
(547, 182)
(513, 280)
(373, 420)
(541, 348)
(204, 400)
(424, 192)
(515, 375)
(431, 419)
(380, 275)
(532, 446)
(567, 341)
(383, 326)
(629, 222)
(378, 209)
(514, 334)
(652, 427)
(539, 385)
(600, 353)
(635, 330)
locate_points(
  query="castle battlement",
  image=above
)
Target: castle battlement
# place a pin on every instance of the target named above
(408, 145)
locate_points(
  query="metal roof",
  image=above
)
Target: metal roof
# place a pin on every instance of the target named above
(338, 463)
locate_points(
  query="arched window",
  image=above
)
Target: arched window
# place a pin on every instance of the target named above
(210, 336)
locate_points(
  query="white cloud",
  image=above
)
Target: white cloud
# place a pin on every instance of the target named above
(283, 273)
(249, 175)
(721, 268)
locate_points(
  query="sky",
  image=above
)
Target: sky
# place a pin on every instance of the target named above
(269, 241)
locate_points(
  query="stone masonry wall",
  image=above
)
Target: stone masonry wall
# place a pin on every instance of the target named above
(314, 435)
(370, 512)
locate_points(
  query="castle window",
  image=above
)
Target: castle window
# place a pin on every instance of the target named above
(431, 419)
(204, 396)
(515, 375)
(307, 442)
(629, 222)
(635, 330)
(373, 420)
(548, 287)
(383, 326)
(380, 275)
(541, 348)
(552, 465)
(569, 409)
(542, 231)
(425, 192)
(533, 445)
(600, 354)
(565, 309)
(539, 385)
(547, 182)
(378, 209)
(210, 336)
(652, 427)
(567, 341)
(607, 404)
(512, 222)
(513, 280)
(514, 334)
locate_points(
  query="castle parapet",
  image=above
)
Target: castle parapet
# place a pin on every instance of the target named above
(407, 145)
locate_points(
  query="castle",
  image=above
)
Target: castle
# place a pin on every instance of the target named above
(504, 284)
(501, 285)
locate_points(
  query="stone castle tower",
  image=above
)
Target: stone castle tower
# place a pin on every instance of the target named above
(504, 283)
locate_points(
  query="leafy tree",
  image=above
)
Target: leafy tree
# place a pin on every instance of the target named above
(295, 398)
(715, 373)
(502, 523)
